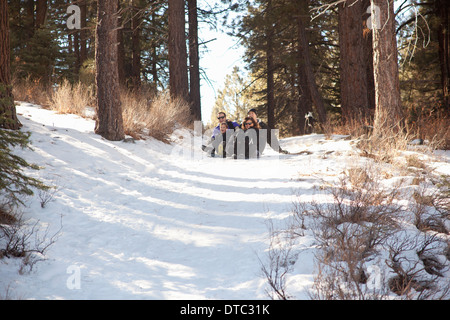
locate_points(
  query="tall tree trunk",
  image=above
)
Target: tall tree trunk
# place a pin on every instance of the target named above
(76, 45)
(121, 54)
(29, 19)
(304, 104)
(368, 61)
(109, 122)
(311, 81)
(354, 97)
(388, 109)
(194, 65)
(444, 49)
(178, 76)
(136, 44)
(154, 65)
(270, 69)
(8, 116)
(83, 33)
(41, 12)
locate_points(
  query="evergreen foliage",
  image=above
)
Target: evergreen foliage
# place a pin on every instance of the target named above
(50, 53)
(256, 22)
(14, 183)
(421, 58)
(234, 99)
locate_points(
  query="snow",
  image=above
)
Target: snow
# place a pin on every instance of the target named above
(148, 220)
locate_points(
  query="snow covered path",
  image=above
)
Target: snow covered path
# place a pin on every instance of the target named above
(142, 221)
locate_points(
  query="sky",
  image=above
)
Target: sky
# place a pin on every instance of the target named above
(217, 60)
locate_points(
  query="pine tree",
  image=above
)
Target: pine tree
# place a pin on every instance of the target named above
(388, 109)
(109, 111)
(178, 72)
(283, 50)
(194, 63)
(354, 87)
(234, 99)
(8, 117)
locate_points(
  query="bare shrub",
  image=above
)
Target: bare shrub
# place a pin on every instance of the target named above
(135, 111)
(280, 262)
(145, 112)
(357, 126)
(46, 195)
(32, 91)
(156, 115)
(19, 239)
(431, 126)
(344, 277)
(414, 161)
(363, 226)
(350, 230)
(414, 262)
(386, 142)
(73, 99)
(431, 206)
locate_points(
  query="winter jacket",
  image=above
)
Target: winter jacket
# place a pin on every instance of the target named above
(218, 143)
(230, 124)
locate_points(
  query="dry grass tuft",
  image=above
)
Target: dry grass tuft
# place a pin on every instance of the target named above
(154, 115)
(32, 91)
(74, 99)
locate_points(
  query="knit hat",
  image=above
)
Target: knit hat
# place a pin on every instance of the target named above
(252, 110)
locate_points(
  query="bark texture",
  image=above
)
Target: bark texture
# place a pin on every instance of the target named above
(109, 123)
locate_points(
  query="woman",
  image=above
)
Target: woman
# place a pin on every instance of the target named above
(272, 140)
(248, 123)
(245, 143)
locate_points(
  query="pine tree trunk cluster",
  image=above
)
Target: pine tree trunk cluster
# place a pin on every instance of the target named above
(305, 66)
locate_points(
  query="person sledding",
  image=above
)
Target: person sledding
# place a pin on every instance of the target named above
(222, 117)
(217, 145)
(245, 142)
(217, 142)
(271, 139)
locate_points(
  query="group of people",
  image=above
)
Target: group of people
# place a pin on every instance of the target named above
(248, 140)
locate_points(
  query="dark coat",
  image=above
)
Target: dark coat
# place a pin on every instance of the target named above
(246, 144)
(272, 140)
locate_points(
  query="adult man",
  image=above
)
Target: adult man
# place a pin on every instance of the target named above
(272, 140)
(222, 117)
(219, 133)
